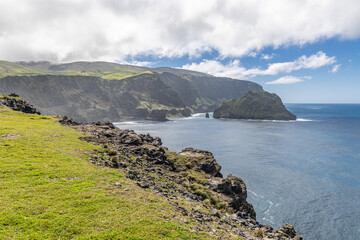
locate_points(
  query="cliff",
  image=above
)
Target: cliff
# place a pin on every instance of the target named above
(255, 105)
(102, 91)
(97, 181)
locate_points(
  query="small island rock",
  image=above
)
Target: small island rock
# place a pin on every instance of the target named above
(255, 104)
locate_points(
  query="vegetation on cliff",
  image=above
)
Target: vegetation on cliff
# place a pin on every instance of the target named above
(87, 91)
(255, 105)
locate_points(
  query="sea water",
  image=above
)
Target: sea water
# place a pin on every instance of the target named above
(304, 172)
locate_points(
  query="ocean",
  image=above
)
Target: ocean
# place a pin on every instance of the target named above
(304, 172)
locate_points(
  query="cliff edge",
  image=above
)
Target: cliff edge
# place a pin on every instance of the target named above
(189, 184)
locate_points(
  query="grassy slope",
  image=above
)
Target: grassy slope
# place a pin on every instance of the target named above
(48, 189)
(110, 71)
(11, 69)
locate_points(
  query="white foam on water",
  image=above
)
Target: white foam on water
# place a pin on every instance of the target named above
(126, 123)
(303, 120)
(196, 114)
(255, 194)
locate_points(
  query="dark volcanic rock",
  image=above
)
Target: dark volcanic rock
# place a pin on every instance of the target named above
(235, 188)
(18, 104)
(157, 115)
(65, 120)
(203, 161)
(255, 105)
(207, 115)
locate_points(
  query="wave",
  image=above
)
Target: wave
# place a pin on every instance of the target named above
(303, 120)
(255, 193)
(126, 123)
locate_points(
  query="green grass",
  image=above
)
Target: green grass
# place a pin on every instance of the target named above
(11, 69)
(49, 190)
(109, 71)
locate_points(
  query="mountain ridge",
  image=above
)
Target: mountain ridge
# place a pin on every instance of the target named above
(85, 94)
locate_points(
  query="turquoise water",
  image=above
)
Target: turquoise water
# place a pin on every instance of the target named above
(304, 172)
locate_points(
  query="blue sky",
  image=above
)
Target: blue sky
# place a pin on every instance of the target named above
(304, 50)
(335, 82)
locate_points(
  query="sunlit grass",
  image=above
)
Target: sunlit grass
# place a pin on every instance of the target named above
(49, 190)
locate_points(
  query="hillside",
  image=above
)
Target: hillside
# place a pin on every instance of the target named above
(93, 181)
(255, 105)
(83, 91)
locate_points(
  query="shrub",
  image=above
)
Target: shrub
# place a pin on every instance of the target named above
(112, 152)
(259, 233)
(208, 196)
(207, 202)
(115, 159)
(221, 205)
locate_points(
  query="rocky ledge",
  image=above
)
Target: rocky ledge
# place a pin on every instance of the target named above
(255, 104)
(16, 103)
(189, 176)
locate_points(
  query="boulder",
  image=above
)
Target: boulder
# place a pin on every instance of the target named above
(157, 115)
(202, 161)
(235, 193)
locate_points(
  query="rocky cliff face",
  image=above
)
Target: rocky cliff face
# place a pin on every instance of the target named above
(89, 98)
(255, 105)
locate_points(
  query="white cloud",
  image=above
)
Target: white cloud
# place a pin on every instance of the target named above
(235, 70)
(216, 68)
(253, 54)
(267, 56)
(66, 30)
(136, 63)
(335, 68)
(317, 60)
(286, 80)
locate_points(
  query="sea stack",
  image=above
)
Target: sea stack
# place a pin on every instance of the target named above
(207, 115)
(255, 104)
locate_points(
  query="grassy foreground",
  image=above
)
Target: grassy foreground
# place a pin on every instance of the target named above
(49, 190)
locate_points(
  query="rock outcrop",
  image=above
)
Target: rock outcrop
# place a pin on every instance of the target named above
(157, 115)
(255, 105)
(16, 103)
(201, 160)
(191, 175)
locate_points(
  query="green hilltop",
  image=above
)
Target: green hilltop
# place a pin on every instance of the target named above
(105, 70)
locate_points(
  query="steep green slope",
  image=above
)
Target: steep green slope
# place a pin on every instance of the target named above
(49, 190)
(14, 69)
(255, 105)
(105, 70)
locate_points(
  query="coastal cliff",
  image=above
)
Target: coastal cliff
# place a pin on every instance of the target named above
(190, 182)
(92, 91)
(255, 104)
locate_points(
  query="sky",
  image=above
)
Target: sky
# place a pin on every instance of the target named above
(306, 51)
